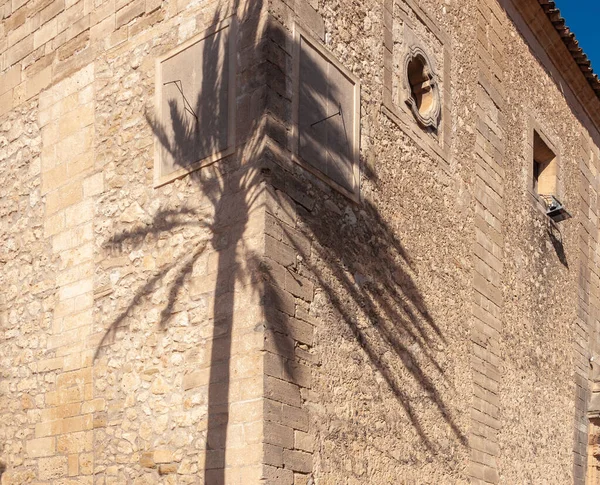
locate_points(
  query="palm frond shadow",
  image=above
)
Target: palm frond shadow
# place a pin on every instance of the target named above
(389, 301)
(365, 273)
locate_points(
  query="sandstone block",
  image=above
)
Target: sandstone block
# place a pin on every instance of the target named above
(116, 38)
(69, 194)
(93, 185)
(275, 365)
(245, 365)
(10, 79)
(69, 16)
(40, 447)
(75, 144)
(103, 29)
(282, 391)
(251, 455)
(298, 461)
(303, 441)
(50, 364)
(49, 428)
(6, 102)
(60, 412)
(277, 476)
(279, 344)
(167, 468)
(147, 459)
(78, 27)
(74, 378)
(483, 472)
(19, 50)
(73, 305)
(73, 465)
(279, 252)
(279, 299)
(242, 412)
(49, 134)
(79, 213)
(76, 119)
(54, 398)
(47, 32)
(23, 30)
(78, 423)
(95, 405)
(75, 442)
(86, 463)
(299, 286)
(80, 163)
(54, 178)
(301, 331)
(51, 11)
(163, 456)
(279, 435)
(273, 455)
(19, 94)
(76, 289)
(129, 12)
(149, 20)
(51, 468)
(294, 417)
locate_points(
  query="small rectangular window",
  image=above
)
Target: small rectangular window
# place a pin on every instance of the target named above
(545, 167)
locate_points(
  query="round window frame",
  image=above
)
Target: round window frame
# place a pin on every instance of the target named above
(431, 117)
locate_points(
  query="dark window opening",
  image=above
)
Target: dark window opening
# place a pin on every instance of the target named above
(545, 167)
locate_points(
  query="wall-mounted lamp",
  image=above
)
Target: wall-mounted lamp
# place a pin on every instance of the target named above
(555, 210)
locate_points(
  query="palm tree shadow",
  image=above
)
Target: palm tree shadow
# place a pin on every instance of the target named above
(365, 273)
(378, 300)
(555, 237)
(387, 312)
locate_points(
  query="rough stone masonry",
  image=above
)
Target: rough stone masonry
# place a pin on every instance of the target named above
(297, 242)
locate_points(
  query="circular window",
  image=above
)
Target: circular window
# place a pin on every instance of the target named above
(421, 88)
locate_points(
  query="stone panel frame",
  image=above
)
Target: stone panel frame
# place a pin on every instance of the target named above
(399, 112)
(299, 33)
(164, 178)
(431, 118)
(536, 201)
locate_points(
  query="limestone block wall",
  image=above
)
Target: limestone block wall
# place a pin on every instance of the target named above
(467, 219)
(132, 321)
(551, 308)
(247, 323)
(25, 315)
(63, 431)
(488, 248)
(391, 276)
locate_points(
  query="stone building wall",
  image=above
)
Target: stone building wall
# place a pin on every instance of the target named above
(385, 399)
(130, 311)
(558, 307)
(450, 220)
(248, 323)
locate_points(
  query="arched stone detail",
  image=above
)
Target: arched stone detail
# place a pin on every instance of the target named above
(421, 87)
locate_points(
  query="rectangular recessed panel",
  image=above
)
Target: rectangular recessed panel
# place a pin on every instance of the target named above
(340, 132)
(312, 107)
(327, 115)
(194, 106)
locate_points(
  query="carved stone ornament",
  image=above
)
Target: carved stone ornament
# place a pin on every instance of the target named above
(421, 88)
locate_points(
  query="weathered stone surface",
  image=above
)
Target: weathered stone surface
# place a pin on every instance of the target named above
(53, 467)
(248, 323)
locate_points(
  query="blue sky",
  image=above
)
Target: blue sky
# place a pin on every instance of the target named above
(583, 18)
